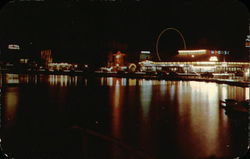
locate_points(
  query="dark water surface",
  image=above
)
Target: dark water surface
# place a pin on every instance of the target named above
(164, 119)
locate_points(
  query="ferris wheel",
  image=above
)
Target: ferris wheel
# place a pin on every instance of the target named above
(159, 36)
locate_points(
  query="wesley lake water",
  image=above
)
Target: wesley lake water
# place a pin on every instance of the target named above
(164, 119)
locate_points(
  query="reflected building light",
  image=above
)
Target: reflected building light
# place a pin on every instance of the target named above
(132, 82)
(117, 83)
(140, 82)
(61, 77)
(145, 98)
(75, 80)
(53, 80)
(11, 106)
(63, 80)
(110, 81)
(156, 82)
(117, 96)
(201, 88)
(231, 93)
(172, 92)
(240, 94)
(102, 81)
(124, 81)
(50, 79)
(162, 82)
(116, 114)
(85, 82)
(247, 93)
(144, 82)
(70, 80)
(194, 85)
(163, 87)
(224, 92)
(35, 79)
(66, 80)
(212, 94)
(56, 79)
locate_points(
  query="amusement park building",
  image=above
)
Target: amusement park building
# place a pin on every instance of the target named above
(197, 61)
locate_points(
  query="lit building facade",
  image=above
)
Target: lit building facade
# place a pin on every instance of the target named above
(119, 59)
(62, 66)
(116, 62)
(145, 55)
(197, 61)
(46, 58)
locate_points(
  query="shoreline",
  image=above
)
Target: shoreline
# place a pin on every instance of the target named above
(234, 82)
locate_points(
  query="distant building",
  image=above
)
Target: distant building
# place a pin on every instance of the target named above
(116, 61)
(145, 55)
(119, 59)
(46, 57)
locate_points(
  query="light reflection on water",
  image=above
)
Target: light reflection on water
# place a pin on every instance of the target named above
(145, 96)
(63, 80)
(199, 102)
(187, 111)
(11, 99)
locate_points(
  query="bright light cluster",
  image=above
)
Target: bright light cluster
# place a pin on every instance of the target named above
(145, 52)
(213, 58)
(14, 47)
(190, 52)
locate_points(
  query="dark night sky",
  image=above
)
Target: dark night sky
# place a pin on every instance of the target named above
(83, 31)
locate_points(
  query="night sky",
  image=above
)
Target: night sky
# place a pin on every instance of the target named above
(85, 31)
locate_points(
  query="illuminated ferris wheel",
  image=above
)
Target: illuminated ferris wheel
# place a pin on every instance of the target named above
(159, 36)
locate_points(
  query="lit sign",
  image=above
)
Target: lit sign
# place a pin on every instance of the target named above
(14, 47)
(189, 52)
(219, 52)
(145, 52)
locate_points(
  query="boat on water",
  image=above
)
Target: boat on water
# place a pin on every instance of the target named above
(234, 106)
